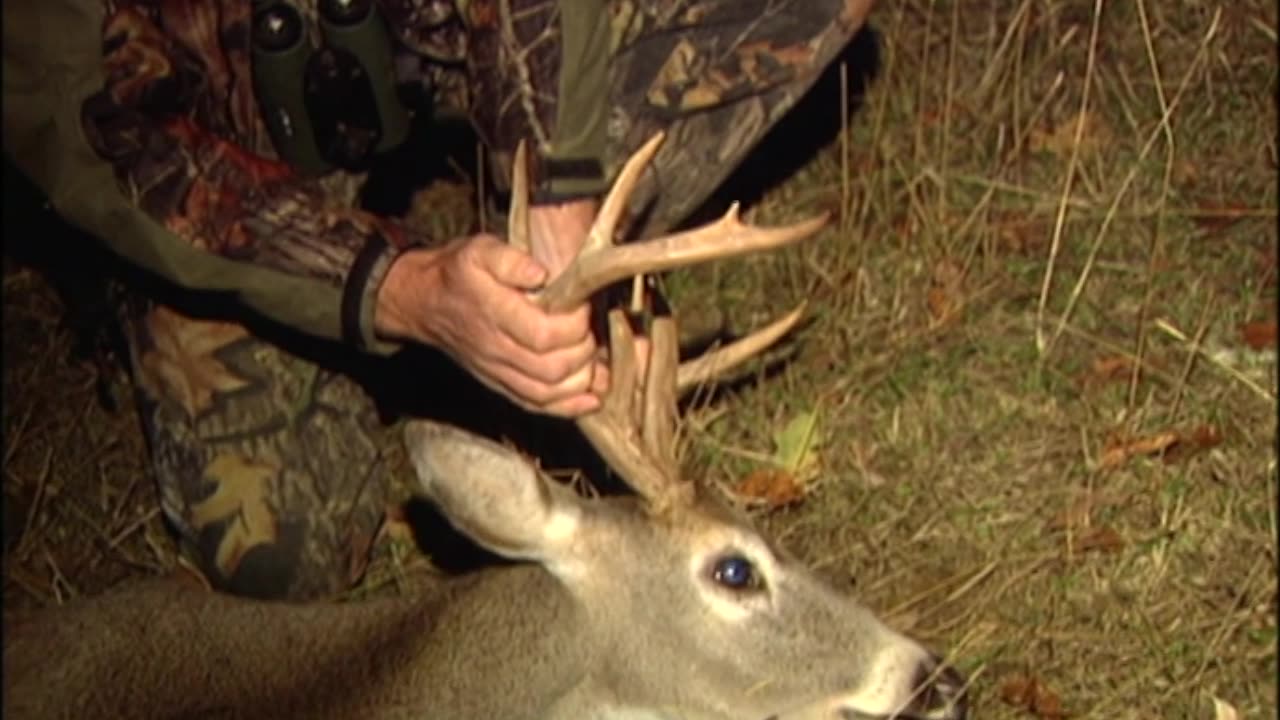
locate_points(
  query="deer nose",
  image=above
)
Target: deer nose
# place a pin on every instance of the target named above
(939, 693)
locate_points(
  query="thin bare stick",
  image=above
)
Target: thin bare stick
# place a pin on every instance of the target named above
(1060, 221)
(1085, 273)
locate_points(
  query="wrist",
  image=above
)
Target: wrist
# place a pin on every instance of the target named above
(413, 277)
(559, 229)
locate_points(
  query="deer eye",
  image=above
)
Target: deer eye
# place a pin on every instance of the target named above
(736, 573)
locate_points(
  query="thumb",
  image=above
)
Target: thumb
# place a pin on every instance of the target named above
(516, 268)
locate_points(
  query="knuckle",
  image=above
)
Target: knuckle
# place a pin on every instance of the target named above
(542, 337)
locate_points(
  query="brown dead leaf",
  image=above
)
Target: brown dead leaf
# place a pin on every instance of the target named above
(1190, 444)
(1059, 139)
(1119, 449)
(1029, 693)
(1186, 172)
(771, 487)
(1259, 335)
(1111, 368)
(1171, 445)
(1266, 261)
(946, 292)
(1079, 514)
(1213, 220)
(1019, 235)
(1101, 539)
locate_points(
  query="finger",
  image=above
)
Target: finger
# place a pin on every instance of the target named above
(600, 379)
(574, 407)
(531, 327)
(558, 366)
(543, 397)
(508, 265)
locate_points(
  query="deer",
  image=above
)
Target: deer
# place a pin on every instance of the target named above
(660, 604)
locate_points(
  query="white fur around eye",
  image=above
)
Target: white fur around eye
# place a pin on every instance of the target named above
(724, 602)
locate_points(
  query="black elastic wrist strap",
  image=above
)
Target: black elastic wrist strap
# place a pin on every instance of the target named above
(353, 293)
(548, 171)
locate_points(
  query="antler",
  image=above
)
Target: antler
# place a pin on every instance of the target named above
(634, 430)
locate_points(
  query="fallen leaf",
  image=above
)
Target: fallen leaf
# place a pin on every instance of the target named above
(1203, 437)
(1171, 445)
(1079, 514)
(1223, 710)
(1019, 234)
(1217, 219)
(946, 292)
(771, 487)
(1266, 261)
(1119, 450)
(1259, 335)
(1101, 539)
(1107, 369)
(1186, 172)
(792, 467)
(796, 446)
(1059, 139)
(1028, 693)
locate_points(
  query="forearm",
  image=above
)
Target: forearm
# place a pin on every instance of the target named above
(215, 221)
(554, 94)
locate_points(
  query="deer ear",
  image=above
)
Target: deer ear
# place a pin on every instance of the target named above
(493, 495)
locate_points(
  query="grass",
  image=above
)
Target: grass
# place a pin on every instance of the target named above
(1031, 201)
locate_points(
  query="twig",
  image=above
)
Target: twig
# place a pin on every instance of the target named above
(1165, 187)
(1085, 273)
(1169, 329)
(1072, 162)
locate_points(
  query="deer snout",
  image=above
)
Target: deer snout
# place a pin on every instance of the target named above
(939, 693)
(928, 690)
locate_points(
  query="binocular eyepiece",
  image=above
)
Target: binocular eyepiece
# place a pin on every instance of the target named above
(331, 105)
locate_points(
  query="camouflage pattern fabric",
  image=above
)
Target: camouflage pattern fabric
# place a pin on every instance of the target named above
(271, 466)
(716, 75)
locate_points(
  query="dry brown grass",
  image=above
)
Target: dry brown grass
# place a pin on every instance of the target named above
(1033, 201)
(1039, 197)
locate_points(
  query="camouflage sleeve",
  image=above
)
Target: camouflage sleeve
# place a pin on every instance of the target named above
(96, 127)
(539, 70)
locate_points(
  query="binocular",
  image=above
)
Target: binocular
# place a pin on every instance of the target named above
(329, 106)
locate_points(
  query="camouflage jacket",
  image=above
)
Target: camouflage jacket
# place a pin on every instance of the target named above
(138, 119)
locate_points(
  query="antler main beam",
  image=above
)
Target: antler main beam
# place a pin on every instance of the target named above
(634, 430)
(601, 263)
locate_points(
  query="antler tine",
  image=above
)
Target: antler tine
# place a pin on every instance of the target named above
(724, 238)
(620, 433)
(713, 364)
(659, 402)
(634, 430)
(518, 213)
(615, 202)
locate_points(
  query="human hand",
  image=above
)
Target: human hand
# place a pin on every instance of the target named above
(557, 232)
(470, 299)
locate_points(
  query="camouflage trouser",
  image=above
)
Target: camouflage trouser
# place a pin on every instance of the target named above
(270, 465)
